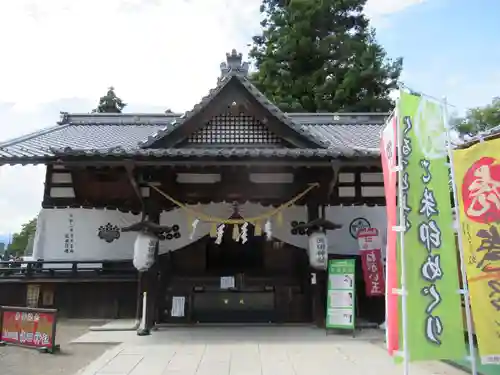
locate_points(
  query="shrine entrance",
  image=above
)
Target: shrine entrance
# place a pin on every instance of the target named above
(233, 300)
(236, 280)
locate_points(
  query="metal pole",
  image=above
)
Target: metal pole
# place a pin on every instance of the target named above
(465, 284)
(401, 231)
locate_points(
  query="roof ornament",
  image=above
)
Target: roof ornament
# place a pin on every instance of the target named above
(233, 65)
(64, 118)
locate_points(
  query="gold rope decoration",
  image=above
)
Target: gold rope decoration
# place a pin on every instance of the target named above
(209, 219)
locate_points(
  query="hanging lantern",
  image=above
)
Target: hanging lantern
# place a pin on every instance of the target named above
(144, 251)
(318, 250)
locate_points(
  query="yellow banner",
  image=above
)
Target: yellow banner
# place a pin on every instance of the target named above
(477, 174)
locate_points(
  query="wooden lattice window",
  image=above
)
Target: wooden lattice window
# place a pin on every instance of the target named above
(229, 129)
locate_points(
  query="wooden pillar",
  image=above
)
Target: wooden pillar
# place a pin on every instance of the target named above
(318, 290)
(152, 277)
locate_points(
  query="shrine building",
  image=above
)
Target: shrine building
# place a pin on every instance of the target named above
(234, 185)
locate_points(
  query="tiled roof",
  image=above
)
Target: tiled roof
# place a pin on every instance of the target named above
(347, 135)
(327, 135)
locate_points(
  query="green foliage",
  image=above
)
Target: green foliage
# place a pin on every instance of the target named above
(110, 103)
(322, 56)
(20, 239)
(479, 119)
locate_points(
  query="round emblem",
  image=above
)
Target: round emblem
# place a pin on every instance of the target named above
(356, 225)
(481, 191)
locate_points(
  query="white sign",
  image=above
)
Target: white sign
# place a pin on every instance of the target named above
(83, 234)
(341, 299)
(344, 281)
(227, 282)
(178, 304)
(340, 318)
(318, 250)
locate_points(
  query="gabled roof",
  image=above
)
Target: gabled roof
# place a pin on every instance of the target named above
(254, 92)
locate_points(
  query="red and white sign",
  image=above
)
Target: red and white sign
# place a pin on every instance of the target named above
(371, 261)
(28, 328)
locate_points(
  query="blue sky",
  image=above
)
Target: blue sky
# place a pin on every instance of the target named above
(450, 47)
(166, 54)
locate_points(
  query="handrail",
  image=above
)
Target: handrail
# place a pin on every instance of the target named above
(65, 261)
(53, 268)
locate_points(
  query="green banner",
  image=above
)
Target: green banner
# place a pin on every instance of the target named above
(435, 323)
(341, 295)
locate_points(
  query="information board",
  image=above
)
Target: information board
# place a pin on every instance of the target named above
(341, 294)
(28, 327)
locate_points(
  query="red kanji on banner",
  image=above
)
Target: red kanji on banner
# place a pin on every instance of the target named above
(481, 191)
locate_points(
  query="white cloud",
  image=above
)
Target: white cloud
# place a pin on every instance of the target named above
(157, 52)
(379, 8)
(163, 53)
(379, 11)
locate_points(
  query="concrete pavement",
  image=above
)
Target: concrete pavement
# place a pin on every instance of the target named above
(271, 350)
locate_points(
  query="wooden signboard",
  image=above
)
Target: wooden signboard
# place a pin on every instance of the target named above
(29, 327)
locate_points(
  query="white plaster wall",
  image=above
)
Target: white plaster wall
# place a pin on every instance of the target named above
(53, 227)
(342, 241)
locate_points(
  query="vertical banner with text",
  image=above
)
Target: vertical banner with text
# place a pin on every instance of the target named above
(477, 175)
(388, 155)
(432, 277)
(371, 261)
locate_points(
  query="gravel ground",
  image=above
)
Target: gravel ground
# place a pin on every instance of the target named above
(72, 357)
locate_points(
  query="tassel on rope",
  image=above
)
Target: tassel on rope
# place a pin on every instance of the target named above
(279, 219)
(236, 232)
(213, 230)
(257, 229)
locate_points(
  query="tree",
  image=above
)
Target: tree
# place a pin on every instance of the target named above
(322, 56)
(479, 119)
(110, 103)
(20, 240)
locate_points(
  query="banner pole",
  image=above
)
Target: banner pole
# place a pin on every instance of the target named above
(401, 232)
(465, 284)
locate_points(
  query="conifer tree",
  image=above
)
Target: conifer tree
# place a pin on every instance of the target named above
(322, 56)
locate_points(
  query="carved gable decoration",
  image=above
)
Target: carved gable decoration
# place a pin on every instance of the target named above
(234, 130)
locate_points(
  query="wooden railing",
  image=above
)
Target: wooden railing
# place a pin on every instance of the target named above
(67, 269)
